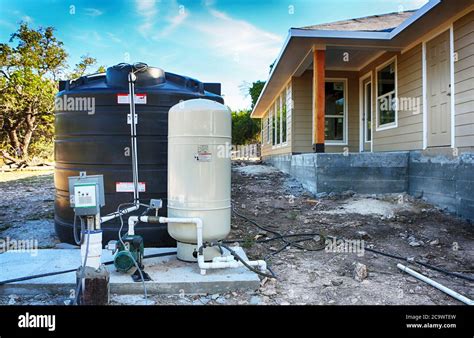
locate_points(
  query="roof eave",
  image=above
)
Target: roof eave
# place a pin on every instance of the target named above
(257, 112)
(417, 15)
(322, 34)
(337, 34)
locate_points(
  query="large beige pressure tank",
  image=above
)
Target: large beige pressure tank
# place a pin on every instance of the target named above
(199, 173)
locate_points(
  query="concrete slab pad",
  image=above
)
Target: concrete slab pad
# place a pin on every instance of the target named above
(169, 275)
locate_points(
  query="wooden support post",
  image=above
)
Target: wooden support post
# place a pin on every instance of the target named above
(95, 286)
(319, 100)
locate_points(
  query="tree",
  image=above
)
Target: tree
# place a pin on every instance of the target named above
(255, 90)
(28, 74)
(82, 67)
(27, 84)
(245, 130)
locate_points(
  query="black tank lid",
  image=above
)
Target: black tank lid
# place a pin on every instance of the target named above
(147, 76)
(117, 76)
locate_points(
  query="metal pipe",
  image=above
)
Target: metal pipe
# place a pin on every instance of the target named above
(431, 282)
(134, 149)
(133, 134)
(116, 214)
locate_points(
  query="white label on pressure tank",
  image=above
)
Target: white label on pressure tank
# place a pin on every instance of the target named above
(128, 186)
(125, 98)
(203, 154)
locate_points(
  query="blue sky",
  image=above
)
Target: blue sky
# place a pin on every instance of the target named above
(231, 42)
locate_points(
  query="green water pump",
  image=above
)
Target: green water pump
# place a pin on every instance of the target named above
(131, 249)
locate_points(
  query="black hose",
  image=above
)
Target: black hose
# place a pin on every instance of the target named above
(288, 243)
(279, 236)
(83, 271)
(48, 274)
(237, 256)
(450, 273)
(78, 240)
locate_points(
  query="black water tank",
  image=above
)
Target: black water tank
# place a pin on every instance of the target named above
(97, 140)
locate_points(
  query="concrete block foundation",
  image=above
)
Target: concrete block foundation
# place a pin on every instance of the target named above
(443, 180)
(365, 173)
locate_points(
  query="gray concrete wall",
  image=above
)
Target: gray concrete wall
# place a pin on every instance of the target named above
(444, 180)
(363, 173)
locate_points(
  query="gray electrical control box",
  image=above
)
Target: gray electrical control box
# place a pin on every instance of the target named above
(86, 194)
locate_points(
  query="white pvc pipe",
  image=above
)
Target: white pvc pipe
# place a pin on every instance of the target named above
(220, 262)
(132, 220)
(116, 214)
(431, 282)
(93, 247)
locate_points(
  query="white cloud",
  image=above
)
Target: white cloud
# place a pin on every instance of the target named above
(160, 26)
(27, 19)
(239, 50)
(114, 37)
(175, 22)
(418, 3)
(93, 12)
(246, 50)
(239, 40)
(148, 10)
(92, 38)
(146, 7)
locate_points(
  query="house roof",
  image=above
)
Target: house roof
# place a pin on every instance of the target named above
(378, 33)
(374, 23)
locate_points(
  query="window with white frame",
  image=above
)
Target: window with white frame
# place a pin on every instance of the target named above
(278, 120)
(386, 95)
(273, 121)
(279, 114)
(368, 111)
(268, 129)
(335, 111)
(284, 119)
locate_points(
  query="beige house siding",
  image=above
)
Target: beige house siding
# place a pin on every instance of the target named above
(352, 97)
(302, 113)
(464, 81)
(302, 127)
(409, 133)
(268, 149)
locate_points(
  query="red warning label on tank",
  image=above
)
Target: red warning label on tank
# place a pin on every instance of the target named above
(128, 186)
(203, 154)
(125, 98)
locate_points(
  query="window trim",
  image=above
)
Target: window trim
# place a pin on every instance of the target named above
(279, 99)
(365, 111)
(267, 129)
(272, 120)
(394, 124)
(344, 141)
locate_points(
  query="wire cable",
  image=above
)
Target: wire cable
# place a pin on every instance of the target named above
(77, 240)
(131, 256)
(83, 273)
(55, 273)
(283, 237)
(289, 243)
(237, 256)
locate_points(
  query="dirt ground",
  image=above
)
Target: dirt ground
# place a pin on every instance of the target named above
(306, 272)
